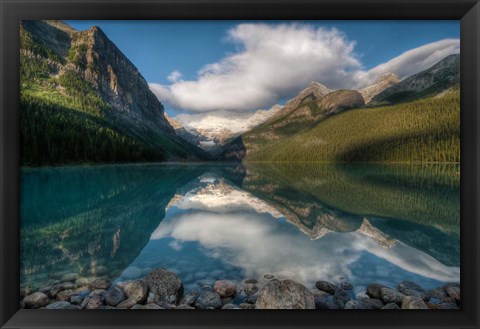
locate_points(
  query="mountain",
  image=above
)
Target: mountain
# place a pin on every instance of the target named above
(192, 138)
(440, 77)
(382, 83)
(312, 105)
(216, 128)
(84, 101)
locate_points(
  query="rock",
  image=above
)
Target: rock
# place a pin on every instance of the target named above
(268, 276)
(44, 289)
(206, 284)
(391, 306)
(251, 281)
(114, 296)
(164, 286)
(341, 297)
(65, 295)
(189, 299)
(326, 286)
(346, 286)
(85, 302)
(413, 303)
(153, 306)
(285, 294)
(373, 302)
(127, 303)
(439, 293)
(82, 291)
(100, 283)
(409, 288)
(136, 290)
(94, 302)
(389, 295)
(70, 277)
(208, 299)
(98, 292)
(184, 307)
(36, 300)
(319, 293)
(250, 289)
(373, 290)
(357, 305)
(84, 281)
(229, 307)
(247, 306)
(325, 303)
(448, 300)
(63, 305)
(138, 307)
(76, 300)
(453, 290)
(251, 299)
(224, 288)
(448, 306)
(59, 287)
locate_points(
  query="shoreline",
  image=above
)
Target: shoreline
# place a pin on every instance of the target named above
(163, 289)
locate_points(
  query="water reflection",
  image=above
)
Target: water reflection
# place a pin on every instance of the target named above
(364, 223)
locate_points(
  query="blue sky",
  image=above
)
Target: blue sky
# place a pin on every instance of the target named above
(158, 48)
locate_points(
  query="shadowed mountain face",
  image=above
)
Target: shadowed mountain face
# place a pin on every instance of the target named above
(83, 79)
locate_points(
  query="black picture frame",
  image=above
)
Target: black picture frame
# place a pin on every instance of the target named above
(13, 11)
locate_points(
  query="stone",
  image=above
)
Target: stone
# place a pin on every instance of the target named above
(94, 302)
(439, 293)
(70, 277)
(189, 299)
(250, 289)
(184, 307)
(44, 289)
(65, 295)
(391, 306)
(164, 287)
(114, 296)
(346, 286)
(409, 288)
(153, 306)
(285, 294)
(341, 297)
(247, 306)
(373, 290)
(389, 295)
(268, 276)
(84, 281)
(325, 303)
(326, 286)
(76, 300)
(374, 303)
(136, 290)
(251, 281)
(453, 290)
(413, 303)
(229, 306)
(36, 300)
(100, 283)
(59, 287)
(251, 299)
(208, 299)
(63, 305)
(127, 303)
(138, 307)
(225, 288)
(85, 302)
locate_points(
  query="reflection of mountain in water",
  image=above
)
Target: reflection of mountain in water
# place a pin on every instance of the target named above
(418, 205)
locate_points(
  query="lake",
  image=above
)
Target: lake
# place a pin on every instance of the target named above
(360, 223)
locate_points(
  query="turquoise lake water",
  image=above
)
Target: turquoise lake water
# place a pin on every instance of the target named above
(359, 223)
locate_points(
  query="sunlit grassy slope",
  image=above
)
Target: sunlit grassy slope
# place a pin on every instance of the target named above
(426, 130)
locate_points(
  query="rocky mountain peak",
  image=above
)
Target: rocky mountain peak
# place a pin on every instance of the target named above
(383, 82)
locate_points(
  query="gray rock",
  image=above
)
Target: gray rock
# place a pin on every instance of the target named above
(76, 300)
(250, 289)
(164, 287)
(389, 295)
(62, 306)
(85, 302)
(326, 286)
(60, 287)
(373, 290)
(36, 300)
(439, 293)
(346, 286)
(285, 294)
(341, 297)
(70, 277)
(453, 290)
(189, 299)
(94, 302)
(229, 307)
(65, 295)
(114, 296)
(138, 307)
(127, 303)
(325, 303)
(246, 306)
(225, 288)
(208, 299)
(268, 276)
(251, 281)
(391, 306)
(374, 303)
(136, 290)
(251, 299)
(153, 306)
(184, 307)
(413, 303)
(409, 288)
(100, 283)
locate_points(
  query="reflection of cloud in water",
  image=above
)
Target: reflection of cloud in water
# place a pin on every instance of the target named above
(260, 244)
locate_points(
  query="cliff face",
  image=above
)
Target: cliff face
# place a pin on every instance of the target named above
(86, 74)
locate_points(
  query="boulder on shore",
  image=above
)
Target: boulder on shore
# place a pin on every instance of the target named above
(164, 287)
(285, 294)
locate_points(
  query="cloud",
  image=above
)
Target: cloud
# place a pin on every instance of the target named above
(175, 76)
(274, 62)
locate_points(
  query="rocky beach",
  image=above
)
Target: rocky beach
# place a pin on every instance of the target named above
(163, 289)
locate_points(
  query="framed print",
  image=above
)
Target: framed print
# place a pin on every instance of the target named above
(239, 164)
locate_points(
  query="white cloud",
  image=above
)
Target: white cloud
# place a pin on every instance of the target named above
(277, 61)
(175, 76)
